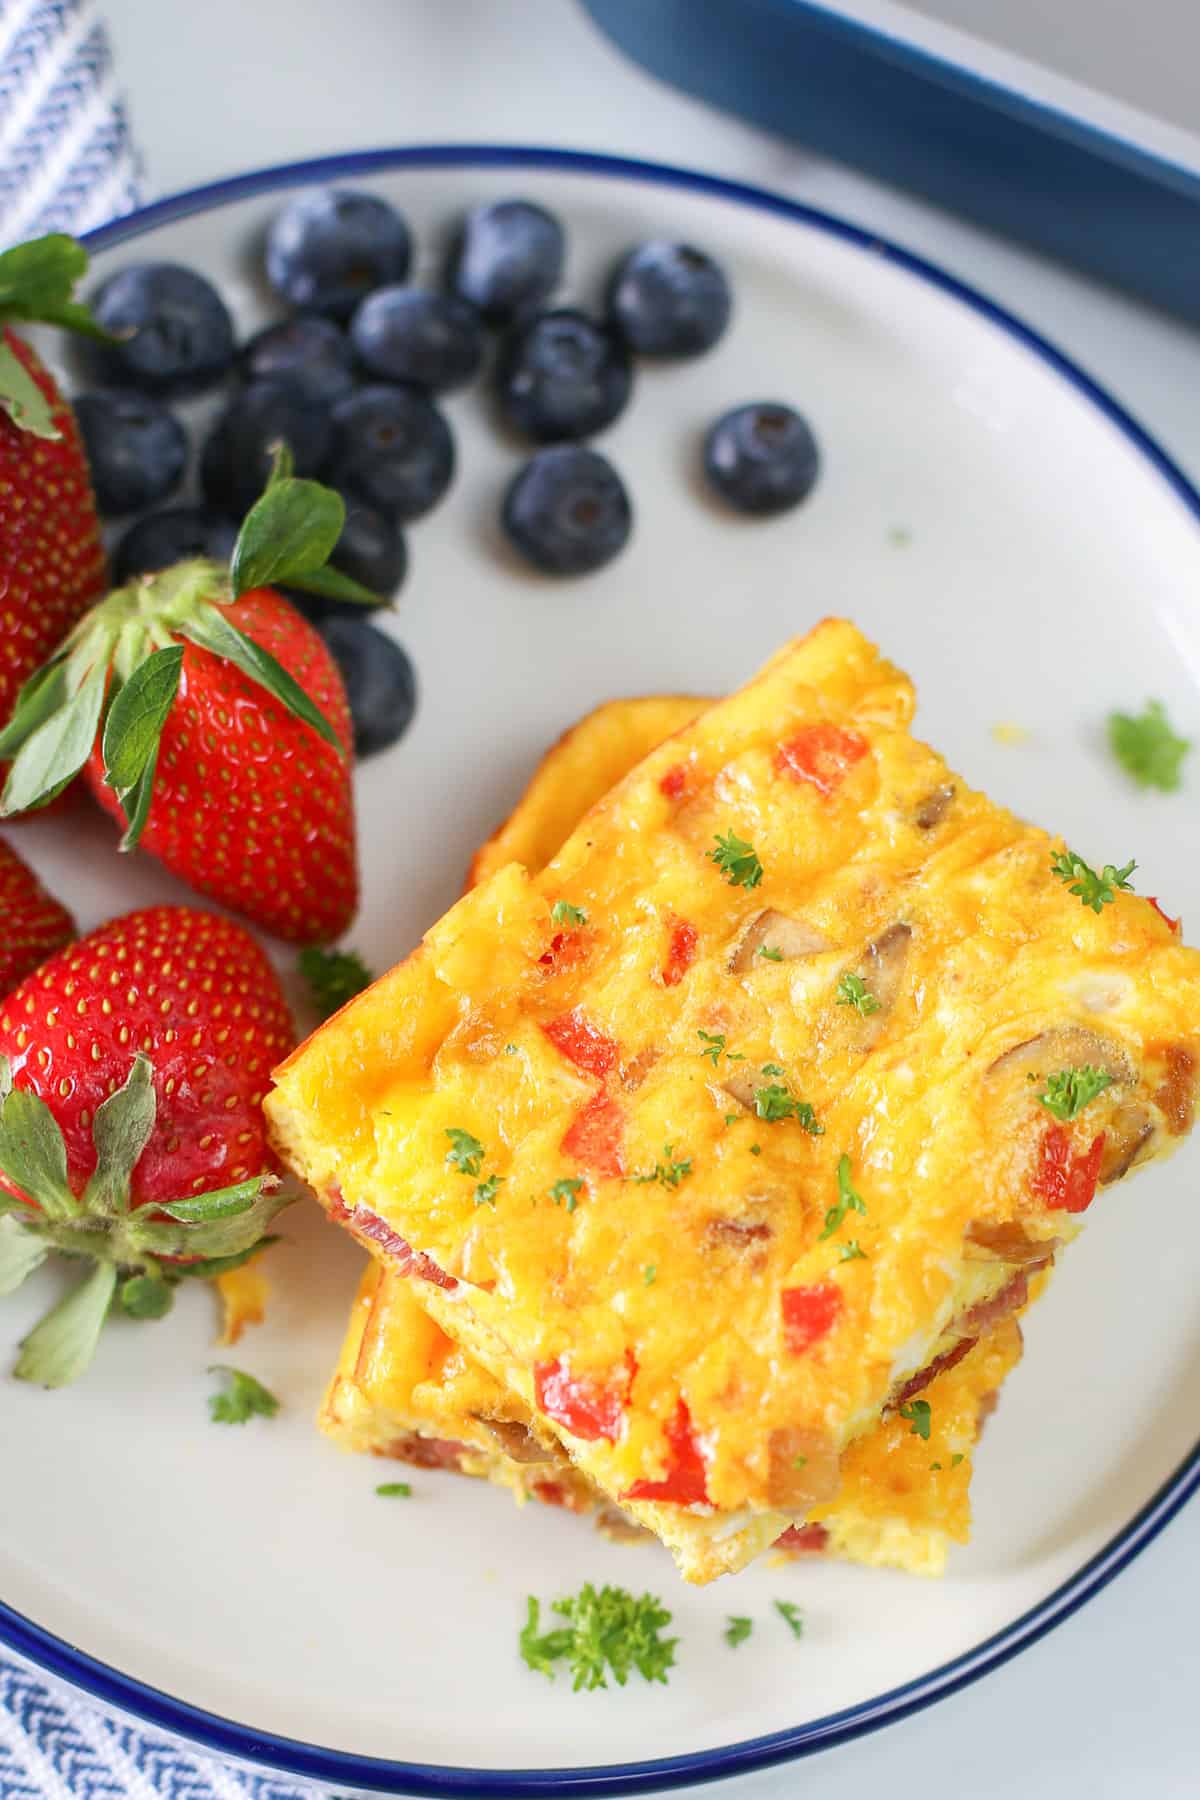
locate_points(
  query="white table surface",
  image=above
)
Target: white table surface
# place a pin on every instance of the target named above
(1106, 1706)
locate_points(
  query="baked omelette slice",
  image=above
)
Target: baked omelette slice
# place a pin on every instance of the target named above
(713, 1140)
(403, 1389)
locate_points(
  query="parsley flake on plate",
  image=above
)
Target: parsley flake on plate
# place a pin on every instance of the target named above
(466, 1153)
(919, 1414)
(853, 991)
(770, 953)
(713, 1043)
(1147, 748)
(607, 1631)
(567, 1189)
(669, 1173)
(563, 913)
(486, 1191)
(1070, 1090)
(848, 1200)
(791, 1615)
(394, 1490)
(775, 1102)
(737, 860)
(241, 1399)
(1096, 891)
(737, 1629)
(851, 1252)
(332, 977)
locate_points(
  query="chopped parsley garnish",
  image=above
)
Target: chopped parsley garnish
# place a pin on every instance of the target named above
(847, 1201)
(510, 1049)
(771, 954)
(563, 913)
(791, 1615)
(933, 1466)
(1096, 891)
(919, 1414)
(853, 991)
(756, 1149)
(737, 860)
(394, 1490)
(774, 1102)
(606, 1631)
(242, 1398)
(333, 977)
(957, 1458)
(485, 1193)
(567, 1189)
(849, 1252)
(466, 1153)
(650, 1274)
(771, 1069)
(1147, 748)
(732, 1118)
(799, 1462)
(714, 1043)
(737, 1629)
(670, 1173)
(1070, 1090)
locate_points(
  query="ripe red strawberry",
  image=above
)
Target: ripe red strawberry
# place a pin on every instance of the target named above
(32, 923)
(52, 562)
(211, 717)
(132, 1070)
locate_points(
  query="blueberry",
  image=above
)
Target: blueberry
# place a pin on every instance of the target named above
(762, 458)
(136, 449)
(380, 684)
(509, 257)
(371, 549)
(669, 300)
(567, 510)
(311, 354)
(327, 249)
(393, 449)
(434, 341)
(563, 375)
(176, 534)
(239, 450)
(175, 335)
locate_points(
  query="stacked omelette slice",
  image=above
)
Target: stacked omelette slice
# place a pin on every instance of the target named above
(708, 1157)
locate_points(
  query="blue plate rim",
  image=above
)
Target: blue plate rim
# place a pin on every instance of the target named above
(383, 1775)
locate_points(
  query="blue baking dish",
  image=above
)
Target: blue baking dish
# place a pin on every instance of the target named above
(1084, 176)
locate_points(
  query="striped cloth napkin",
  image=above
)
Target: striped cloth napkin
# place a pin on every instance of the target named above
(67, 163)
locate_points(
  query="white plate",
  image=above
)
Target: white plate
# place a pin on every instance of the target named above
(1013, 541)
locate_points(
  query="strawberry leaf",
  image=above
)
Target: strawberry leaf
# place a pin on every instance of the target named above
(37, 281)
(146, 1297)
(21, 1252)
(33, 1155)
(133, 731)
(53, 755)
(206, 1268)
(221, 1203)
(137, 804)
(22, 399)
(41, 696)
(208, 628)
(120, 1132)
(288, 536)
(218, 1237)
(59, 1349)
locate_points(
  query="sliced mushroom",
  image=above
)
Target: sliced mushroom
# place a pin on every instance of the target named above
(1177, 1093)
(1007, 1241)
(787, 938)
(804, 1468)
(635, 1071)
(1128, 1136)
(933, 808)
(1064, 1047)
(881, 972)
(517, 1441)
(741, 1087)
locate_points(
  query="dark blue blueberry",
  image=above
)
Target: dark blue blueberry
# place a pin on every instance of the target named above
(327, 249)
(567, 511)
(371, 550)
(563, 375)
(762, 458)
(176, 534)
(508, 258)
(239, 450)
(434, 341)
(380, 683)
(175, 333)
(136, 449)
(311, 354)
(669, 300)
(393, 449)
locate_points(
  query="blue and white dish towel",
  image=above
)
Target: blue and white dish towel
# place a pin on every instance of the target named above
(67, 163)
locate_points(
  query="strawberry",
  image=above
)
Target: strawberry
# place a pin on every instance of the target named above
(52, 563)
(34, 924)
(210, 717)
(132, 1070)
